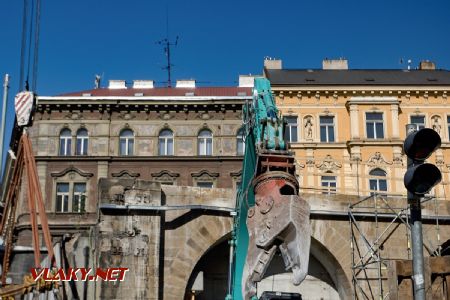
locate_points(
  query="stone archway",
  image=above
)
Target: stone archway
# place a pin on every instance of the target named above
(212, 271)
(186, 245)
(326, 279)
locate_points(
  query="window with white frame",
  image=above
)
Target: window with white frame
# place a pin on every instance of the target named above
(82, 142)
(65, 142)
(71, 196)
(126, 142)
(374, 126)
(79, 197)
(328, 184)
(419, 121)
(448, 127)
(205, 142)
(377, 181)
(165, 142)
(290, 134)
(326, 129)
(240, 145)
(62, 197)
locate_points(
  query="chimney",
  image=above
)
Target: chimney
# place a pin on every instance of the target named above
(427, 65)
(185, 83)
(335, 64)
(247, 80)
(143, 84)
(117, 84)
(273, 64)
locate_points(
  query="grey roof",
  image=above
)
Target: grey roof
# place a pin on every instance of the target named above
(358, 77)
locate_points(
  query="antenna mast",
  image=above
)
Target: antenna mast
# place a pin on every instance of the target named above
(166, 42)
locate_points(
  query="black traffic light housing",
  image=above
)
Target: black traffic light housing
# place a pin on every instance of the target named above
(421, 177)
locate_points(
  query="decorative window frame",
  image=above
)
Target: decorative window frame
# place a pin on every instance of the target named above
(127, 127)
(125, 174)
(383, 117)
(419, 114)
(70, 175)
(165, 127)
(447, 122)
(327, 190)
(240, 133)
(86, 140)
(165, 177)
(205, 176)
(297, 124)
(198, 141)
(371, 177)
(66, 127)
(334, 116)
(236, 177)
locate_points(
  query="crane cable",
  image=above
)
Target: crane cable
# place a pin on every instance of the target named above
(23, 45)
(30, 25)
(37, 26)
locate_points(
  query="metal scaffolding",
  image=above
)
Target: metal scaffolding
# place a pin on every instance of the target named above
(376, 223)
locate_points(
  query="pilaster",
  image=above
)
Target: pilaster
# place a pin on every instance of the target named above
(354, 121)
(395, 123)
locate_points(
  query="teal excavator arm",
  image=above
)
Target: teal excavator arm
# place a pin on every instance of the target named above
(269, 213)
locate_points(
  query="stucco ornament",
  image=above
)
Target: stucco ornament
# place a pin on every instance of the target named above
(308, 128)
(299, 165)
(378, 159)
(328, 164)
(436, 124)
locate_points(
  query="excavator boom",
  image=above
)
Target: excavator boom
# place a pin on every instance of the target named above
(270, 216)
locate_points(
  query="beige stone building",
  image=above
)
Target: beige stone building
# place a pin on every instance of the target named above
(347, 127)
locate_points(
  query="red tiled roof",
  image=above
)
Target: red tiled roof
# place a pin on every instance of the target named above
(198, 91)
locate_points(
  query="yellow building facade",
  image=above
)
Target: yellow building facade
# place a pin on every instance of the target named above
(347, 127)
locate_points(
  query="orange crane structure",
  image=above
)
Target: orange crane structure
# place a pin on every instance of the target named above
(24, 167)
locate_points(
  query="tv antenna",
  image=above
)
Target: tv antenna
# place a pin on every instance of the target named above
(166, 43)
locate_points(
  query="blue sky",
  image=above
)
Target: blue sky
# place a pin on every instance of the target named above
(218, 40)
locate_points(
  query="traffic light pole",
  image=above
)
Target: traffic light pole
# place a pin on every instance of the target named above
(416, 236)
(417, 246)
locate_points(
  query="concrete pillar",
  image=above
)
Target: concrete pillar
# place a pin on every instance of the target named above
(354, 122)
(395, 123)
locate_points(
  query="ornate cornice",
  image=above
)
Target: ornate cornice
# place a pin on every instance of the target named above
(125, 173)
(328, 164)
(378, 159)
(165, 173)
(236, 174)
(205, 172)
(71, 169)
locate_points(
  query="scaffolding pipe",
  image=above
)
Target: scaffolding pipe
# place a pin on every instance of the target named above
(3, 122)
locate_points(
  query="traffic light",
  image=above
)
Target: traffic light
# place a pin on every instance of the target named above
(420, 177)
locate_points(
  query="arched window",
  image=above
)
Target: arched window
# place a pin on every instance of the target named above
(205, 141)
(240, 145)
(82, 142)
(377, 181)
(126, 142)
(166, 142)
(65, 142)
(328, 183)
